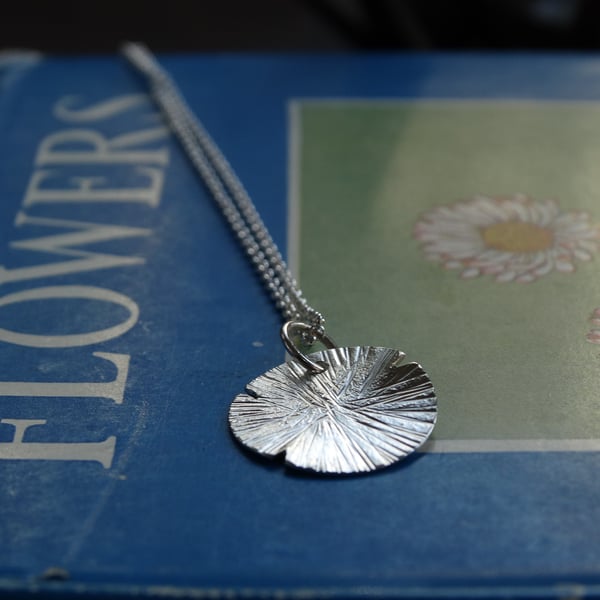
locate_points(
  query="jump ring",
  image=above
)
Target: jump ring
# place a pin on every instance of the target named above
(286, 333)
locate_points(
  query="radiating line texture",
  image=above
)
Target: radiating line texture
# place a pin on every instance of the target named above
(364, 412)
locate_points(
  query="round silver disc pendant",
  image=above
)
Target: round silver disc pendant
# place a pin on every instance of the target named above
(365, 411)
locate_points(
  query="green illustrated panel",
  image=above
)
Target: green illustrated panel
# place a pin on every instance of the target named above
(465, 234)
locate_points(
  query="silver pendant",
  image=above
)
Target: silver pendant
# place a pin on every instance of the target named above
(362, 410)
(343, 410)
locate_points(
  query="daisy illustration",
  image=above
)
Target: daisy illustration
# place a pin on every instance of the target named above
(510, 238)
(593, 335)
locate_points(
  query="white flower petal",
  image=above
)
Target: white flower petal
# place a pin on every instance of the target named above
(525, 278)
(582, 255)
(506, 276)
(521, 212)
(453, 264)
(564, 266)
(470, 273)
(548, 211)
(545, 268)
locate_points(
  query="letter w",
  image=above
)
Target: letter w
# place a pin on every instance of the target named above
(63, 244)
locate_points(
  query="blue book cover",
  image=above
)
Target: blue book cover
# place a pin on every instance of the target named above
(445, 205)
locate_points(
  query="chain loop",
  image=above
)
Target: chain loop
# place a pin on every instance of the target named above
(289, 328)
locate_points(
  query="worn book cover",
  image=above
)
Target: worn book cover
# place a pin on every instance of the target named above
(448, 206)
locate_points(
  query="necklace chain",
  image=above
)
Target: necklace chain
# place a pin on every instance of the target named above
(228, 192)
(374, 390)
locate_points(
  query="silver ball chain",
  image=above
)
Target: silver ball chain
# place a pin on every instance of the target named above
(228, 192)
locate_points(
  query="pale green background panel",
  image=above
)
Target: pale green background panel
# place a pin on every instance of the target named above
(509, 361)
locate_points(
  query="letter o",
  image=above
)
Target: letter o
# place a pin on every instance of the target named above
(86, 292)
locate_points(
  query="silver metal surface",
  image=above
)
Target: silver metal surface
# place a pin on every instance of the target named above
(227, 191)
(364, 412)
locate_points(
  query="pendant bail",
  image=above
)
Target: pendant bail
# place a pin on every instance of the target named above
(289, 328)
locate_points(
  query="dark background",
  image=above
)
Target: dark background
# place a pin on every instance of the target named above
(301, 25)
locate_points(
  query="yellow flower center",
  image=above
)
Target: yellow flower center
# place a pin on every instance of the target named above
(517, 236)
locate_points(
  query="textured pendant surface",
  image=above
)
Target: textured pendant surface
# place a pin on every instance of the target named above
(366, 411)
